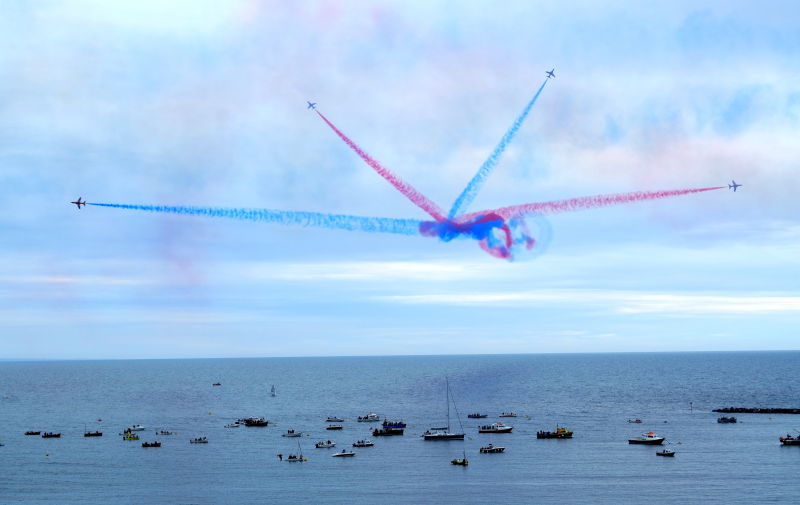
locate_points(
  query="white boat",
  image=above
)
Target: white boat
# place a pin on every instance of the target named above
(325, 445)
(495, 428)
(508, 414)
(233, 425)
(363, 443)
(334, 419)
(648, 438)
(491, 449)
(369, 418)
(199, 440)
(135, 427)
(344, 454)
(292, 433)
(444, 432)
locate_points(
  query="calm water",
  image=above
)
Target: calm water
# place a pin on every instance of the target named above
(593, 395)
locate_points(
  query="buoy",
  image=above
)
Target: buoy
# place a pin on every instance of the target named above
(47, 454)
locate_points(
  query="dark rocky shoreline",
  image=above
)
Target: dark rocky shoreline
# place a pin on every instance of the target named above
(745, 410)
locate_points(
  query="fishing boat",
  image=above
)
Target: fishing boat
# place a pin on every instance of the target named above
(130, 436)
(92, 434)
(216, 384)
(334, 419)
(387, 432)
(292, 434)
(648, 438)
(255, 421)
(334, 427)
(667, 453)
(325, 445)
(726, 420)
(491, 449)
(363, 443)
(508, 414)
(790, 440)
(444, 432)
(460, 461)
(495, 428)
(344, 454)
(199, 440)
(369, 418)
(33, 432)
(49, 434)
(151, 444)
(477, 416)
(559, 433)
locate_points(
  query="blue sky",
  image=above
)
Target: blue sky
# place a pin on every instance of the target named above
(203, 103)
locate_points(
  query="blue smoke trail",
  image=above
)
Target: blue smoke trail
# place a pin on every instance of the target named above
(466, 196)
(306, 219)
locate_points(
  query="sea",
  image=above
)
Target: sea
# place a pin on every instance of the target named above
(594, 395)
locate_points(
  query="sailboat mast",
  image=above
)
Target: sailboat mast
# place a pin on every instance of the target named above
(447, 385)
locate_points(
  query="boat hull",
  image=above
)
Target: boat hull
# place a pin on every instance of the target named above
(444, 436)
(655, 441)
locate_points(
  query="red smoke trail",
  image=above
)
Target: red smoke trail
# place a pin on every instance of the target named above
(407, 189)
(581, 203)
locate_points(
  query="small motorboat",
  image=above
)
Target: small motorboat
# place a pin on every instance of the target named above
(343, 454)
(292, 434)
(255, 421)
(164, 432)
(136, 427)
(495, 428)
(334, 427)
(369, 418)
(635, 421)
(325, 445)
(33, 432)
(790, 440)
(199, 440)
(217, 384)
(393, 425)
(477, 416)
(233, 425)
(334, 419)
(726, 420)
(363, 443)
(93, 434)
(294, 458)
(387, 432)
(49, 434)
(460, 461)
(559, 433)
(648, 438)
(151, 444)
(508, 414)
(491, 449)
(667, 453)
(130, 436)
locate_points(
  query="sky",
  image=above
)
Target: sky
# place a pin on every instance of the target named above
(203, 103)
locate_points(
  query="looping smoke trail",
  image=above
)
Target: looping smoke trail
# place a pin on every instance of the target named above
(405, 188)
(581, 203)
(466, 196)
(315, 219)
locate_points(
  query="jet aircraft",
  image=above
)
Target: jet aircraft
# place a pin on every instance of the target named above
(733, 186)
(79, 202)
(551, 73)
(311, 105)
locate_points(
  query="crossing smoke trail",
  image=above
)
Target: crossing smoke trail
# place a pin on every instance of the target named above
(308, 219)
(581, 203)
(405, 188)
(466, 196)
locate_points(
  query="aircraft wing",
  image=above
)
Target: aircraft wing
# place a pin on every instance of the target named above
(290, 218)
(581, 203)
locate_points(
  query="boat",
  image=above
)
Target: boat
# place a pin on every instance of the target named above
(233, 425)
(151, 444)
(369, 418)
(491, 449)
(334, 419)
(387, 432)
(444, 432)
(344, 454)
(130, 436)
(393, 424)
(790, 440)
(33, 432)
(495, 428)
(334, 427)
(49, 434)
(136, 427)
(297, 458)
(164, 432)
(648, 438)
(460, 461)
(199, 440)
(559, 433)
(666, 452)
(726, 420)
(635, 421)
(272, 391)
(325, 445)
(216, 384)
(477, 416)
(363, 443)
(292, 434)
(255, 421)
(508, 414)
(92, 434)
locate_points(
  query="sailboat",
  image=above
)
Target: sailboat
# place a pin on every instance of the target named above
(272, 391)
(444, 432)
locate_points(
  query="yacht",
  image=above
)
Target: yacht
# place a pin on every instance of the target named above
(648, 438)
(495, 428)
(444, 432)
